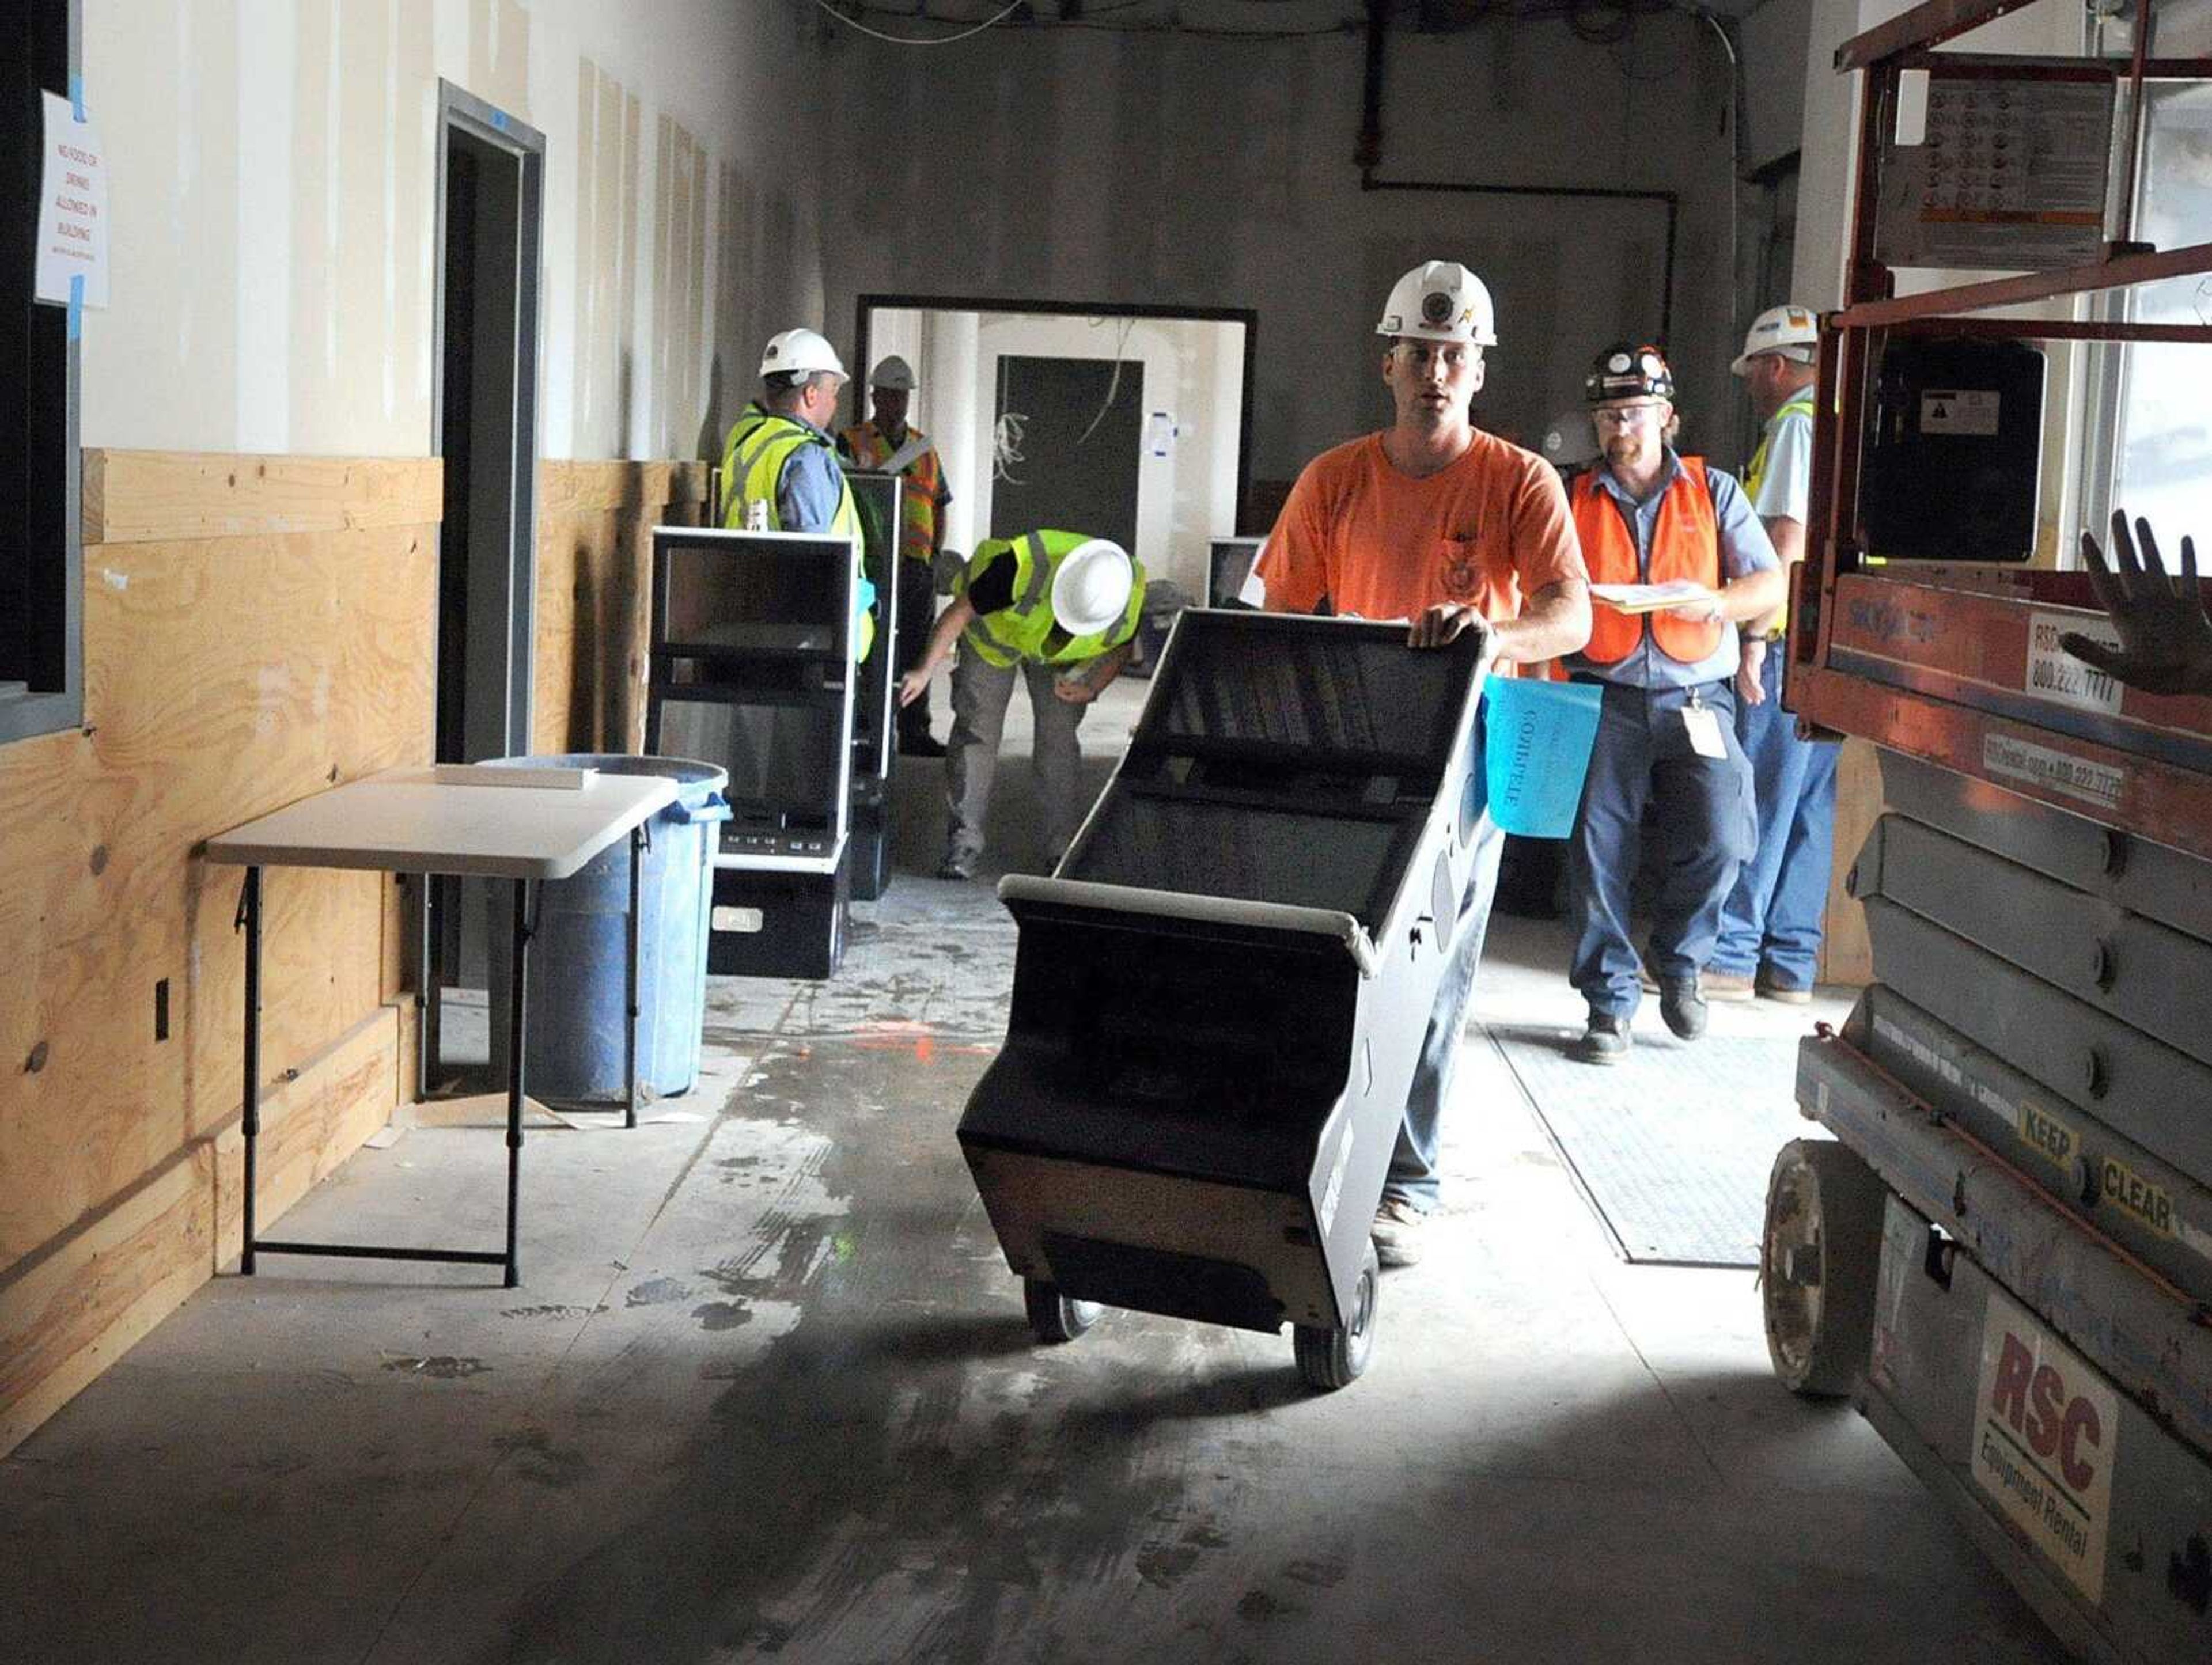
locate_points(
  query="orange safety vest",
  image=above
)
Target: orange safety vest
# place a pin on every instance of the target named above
(1685, 544)
(924, 494)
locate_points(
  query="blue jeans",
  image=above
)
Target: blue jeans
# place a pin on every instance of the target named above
(1642, 757)
(1772, 920)
(1413, 1176)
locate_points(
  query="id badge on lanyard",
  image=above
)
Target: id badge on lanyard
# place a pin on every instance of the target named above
(1703, 724)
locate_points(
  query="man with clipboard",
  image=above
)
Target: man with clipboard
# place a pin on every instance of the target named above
(1677, 559)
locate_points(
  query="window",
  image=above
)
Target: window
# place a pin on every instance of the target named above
(2163, 437)
(2150, 435)
(41, 565)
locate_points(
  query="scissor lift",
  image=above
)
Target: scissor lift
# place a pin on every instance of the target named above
(2005, 1253)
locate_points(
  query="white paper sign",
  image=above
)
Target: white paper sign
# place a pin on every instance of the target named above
(72, 208)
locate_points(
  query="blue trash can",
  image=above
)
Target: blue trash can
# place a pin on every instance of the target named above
(577, 994)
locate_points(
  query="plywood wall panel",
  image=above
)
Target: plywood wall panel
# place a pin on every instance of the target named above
(74, 1313)
(80, 1306)
(309, 1125)
(225, 676)
(580, 487)
(594, 583)
(1846, 953)
(146, 496)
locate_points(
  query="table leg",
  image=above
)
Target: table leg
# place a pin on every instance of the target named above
(249, 912)
(629, 982)
(429, 1007)
(515, 1029)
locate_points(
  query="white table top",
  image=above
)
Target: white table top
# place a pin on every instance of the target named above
(406, 820)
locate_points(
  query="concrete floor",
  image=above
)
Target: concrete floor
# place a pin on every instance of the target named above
(767, 1392)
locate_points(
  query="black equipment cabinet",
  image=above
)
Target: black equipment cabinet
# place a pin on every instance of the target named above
(1220, 996)
(1953, 450)
(752, 634)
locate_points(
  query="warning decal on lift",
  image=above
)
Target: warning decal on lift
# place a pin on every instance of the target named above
(1959, 410)
(2045, 1432)
(2055, 674)
(2033, 765)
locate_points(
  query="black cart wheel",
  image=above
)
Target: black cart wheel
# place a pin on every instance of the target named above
(1052, 1316)
(1332, 1357)
(1817, 1264)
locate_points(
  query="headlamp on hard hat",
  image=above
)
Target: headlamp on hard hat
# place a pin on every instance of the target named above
(1628, 370)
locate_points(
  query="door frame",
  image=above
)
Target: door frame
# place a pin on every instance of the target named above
(461, 112)
(1248, 316)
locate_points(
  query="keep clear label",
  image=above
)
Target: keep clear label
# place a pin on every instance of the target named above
(2046, 1435)
(2055, 674)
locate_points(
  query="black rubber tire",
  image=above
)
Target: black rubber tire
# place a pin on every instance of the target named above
(1819, 1256)
(1052, 1316)
(1335, 1356)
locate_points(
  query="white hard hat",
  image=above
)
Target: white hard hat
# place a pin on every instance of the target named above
(1790, 332)
(1440, 301)
(1091, 588)
(797, 352)
(892, 374)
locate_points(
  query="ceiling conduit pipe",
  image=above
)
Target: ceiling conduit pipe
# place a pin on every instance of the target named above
(1369, 157)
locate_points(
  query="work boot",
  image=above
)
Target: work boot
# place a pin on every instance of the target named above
(1683, 1007)
(920, 744)
(1606, 1039)
(1788, 993)
(954, 870)
(1397, 1232)
(1725, 986)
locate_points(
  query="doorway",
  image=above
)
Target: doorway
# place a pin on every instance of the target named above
(1132, 422)
(1078, 422)
(484, 425)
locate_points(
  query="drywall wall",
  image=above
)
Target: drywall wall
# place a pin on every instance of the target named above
(261, 526)
(274, 203)
(595, 524)
(1772, 42)
(1088, 166)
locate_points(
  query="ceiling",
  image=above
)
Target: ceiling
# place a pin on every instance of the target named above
(1597, 20)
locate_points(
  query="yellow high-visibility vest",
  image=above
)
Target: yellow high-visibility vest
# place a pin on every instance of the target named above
(1025, 630)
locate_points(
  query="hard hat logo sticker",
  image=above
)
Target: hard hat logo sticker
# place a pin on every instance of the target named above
(1436, 307)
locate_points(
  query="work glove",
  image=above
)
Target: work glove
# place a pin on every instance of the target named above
(2165, 641)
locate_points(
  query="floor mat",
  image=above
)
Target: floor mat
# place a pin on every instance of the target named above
(1671, 1147)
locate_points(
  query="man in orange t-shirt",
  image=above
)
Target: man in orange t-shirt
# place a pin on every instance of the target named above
(1433, 521)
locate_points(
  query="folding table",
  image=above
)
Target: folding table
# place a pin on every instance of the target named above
(437, 820)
